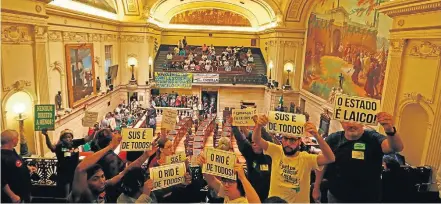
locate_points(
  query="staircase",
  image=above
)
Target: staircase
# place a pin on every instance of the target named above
(257, 77)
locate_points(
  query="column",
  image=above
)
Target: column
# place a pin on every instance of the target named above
(41, 75)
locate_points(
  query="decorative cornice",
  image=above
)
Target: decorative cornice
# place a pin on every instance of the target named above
(417, 97)
(109, 38)
(426, 49)
(75, 37)
(405, 7)
(18, 86)
(397, 45)
(283, 43)
(16, 34)
(40, 33)
(93, 37)
(132, 38)
(54, 36)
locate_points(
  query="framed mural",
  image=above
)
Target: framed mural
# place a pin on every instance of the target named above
(210, 17)
(80, 69)
(346, 49)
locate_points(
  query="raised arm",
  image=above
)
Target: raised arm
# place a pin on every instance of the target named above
(48, 140)
(250, 192)
(80, 177)
(393, 142)
(212, 181)
(257, 138)
(327, 155)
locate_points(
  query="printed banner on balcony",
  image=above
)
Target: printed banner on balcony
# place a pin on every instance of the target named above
(173, 80)
(205, 78)
(167, 175)
(44, 117)
(356, 109)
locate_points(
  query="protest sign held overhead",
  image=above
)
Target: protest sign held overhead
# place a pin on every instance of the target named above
(136, 139)
(286, 123)
(90, 119)
(356, 109)
(44, 117)
(220, 163)
(169, 119)
(167, 175)
(244, 117)
(176, 158)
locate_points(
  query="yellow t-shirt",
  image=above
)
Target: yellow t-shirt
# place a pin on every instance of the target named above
(227, 199)
(290, 176)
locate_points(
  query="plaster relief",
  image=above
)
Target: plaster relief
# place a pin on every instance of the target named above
(15, 34)
(425, 49)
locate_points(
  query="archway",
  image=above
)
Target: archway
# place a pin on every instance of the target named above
(21, 100)
(413, 128)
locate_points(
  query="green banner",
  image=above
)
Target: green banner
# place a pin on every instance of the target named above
(44, 117)
(173, 80)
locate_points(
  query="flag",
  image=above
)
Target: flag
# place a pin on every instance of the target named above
(281, 100)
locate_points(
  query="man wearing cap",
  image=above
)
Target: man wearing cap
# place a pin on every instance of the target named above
(356, 174)
(258, 164)
(291, 169)
(16, 180)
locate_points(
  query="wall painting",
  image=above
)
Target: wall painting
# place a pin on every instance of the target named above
(210, 17)
(347, 49)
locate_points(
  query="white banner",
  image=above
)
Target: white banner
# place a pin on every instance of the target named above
(205, 78)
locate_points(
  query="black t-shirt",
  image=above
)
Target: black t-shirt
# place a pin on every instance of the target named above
(68, 159)
(355, 176)
(16, 174)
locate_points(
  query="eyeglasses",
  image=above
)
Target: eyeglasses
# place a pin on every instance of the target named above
(290, 139)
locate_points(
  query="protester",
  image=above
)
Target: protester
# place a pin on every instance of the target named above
(233, 191)
(258, 164)
(356, 174)
(16, 180)
(291, 169)
(68, 156)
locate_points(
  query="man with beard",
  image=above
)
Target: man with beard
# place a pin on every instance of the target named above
(291, 169)
(356, 175)
(258, 164)
(68, 156)
(89, 184)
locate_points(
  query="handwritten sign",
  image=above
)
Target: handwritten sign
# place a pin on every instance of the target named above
(244, 117)
(169, 119)
(136, 139)
(176, 158)
(90, 119)
(220, 163)
(167, 175)
(173, 80)
(356, 109)
(286, 123)
(44, 117)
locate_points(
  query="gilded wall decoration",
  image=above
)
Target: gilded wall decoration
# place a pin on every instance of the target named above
(75, 37)
(93, 37)
(18, 86)
(347, 49)
(15, 34)
(109, 37)
(40, 33)
(426, 49)
(295, 10)
(397, 45)
(210, 17)
(132, 38)
(57, 66)
(417, 97)
(131, 7)
(106, 5)
(54, 36)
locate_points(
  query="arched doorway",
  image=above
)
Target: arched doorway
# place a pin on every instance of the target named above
(21, 102)
(413, 127)
(336, 40)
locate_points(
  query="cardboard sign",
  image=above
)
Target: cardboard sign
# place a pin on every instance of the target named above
(176, 158)
(44, 117)
(286, 123)
(220, 163)
(136, 139)
(356, 109)
(169, 119)
(167, 175)
(244, 117)
(90, 119)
